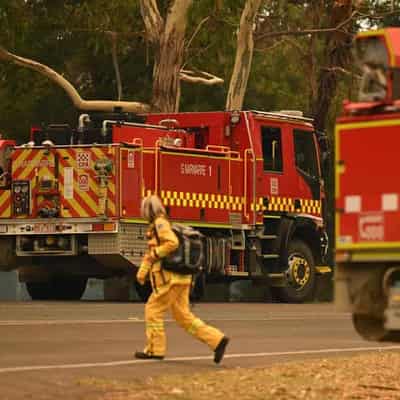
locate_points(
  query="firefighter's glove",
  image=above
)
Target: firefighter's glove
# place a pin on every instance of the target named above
(143, 272)
(152, 256)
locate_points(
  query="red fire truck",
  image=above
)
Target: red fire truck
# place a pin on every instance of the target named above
(367, 191)
(250, 181)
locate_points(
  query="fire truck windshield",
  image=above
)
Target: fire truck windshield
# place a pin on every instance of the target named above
(372, 51)
(372, 59)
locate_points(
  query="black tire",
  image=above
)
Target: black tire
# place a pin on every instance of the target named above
(59, 288)
(301, 275)
(143, 291)
(373, 329)
(40, 290)
(69, 288)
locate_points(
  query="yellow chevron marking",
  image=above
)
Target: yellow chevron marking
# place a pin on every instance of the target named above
(7, 212)
(4, 196)
(87, 199)
(23, 155)
(111, 207)
(99, 152)
(65, 213)
(70, 158)
(76, 206)
(44, 171)
(31, 166)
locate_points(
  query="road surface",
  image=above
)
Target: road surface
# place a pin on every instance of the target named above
(47, 348)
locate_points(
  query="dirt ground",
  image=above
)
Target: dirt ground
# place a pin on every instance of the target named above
(371, 376)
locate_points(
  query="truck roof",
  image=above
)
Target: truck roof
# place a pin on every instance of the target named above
(293, 115)
(287, 115)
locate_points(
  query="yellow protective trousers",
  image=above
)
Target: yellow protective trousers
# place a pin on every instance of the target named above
(174, 297)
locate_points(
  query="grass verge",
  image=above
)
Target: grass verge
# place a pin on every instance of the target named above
(368, 376)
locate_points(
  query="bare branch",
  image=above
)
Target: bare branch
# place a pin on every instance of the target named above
(378, 16)
(106, 31)
(79, 103)
(114, 53)
(269, 48)
(337, 69)
(198, 53)
(200, 77)
(196, 31)
(309, 31)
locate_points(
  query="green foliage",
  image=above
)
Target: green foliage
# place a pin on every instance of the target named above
(72, 37)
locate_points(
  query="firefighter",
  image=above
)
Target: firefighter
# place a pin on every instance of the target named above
(170, 290)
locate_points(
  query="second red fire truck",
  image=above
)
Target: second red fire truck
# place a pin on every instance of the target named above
(250, 181)
(368, 191)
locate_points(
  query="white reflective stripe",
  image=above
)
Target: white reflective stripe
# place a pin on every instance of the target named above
(24, 368)
(352, 204)
(390, 202)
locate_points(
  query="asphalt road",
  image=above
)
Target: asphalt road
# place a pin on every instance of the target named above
(47, 348)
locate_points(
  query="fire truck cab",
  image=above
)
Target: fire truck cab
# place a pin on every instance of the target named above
(249, 180)
(367, 191)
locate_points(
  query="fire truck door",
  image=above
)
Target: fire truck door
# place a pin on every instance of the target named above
(306, 161)
(273, 164)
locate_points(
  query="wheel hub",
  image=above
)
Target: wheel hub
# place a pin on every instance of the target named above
(299, 272)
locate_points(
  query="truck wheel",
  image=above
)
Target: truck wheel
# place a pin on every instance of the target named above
(57, 289)
(143, 291)
(300, 275)
(69, 288)
(40, 290)
(372, 328)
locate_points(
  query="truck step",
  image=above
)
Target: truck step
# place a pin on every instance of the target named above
(267, 237)
(270, 256)
(269, 216)
(238, 240)
(238, 273)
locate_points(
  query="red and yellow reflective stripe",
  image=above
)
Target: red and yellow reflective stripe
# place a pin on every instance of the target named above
(5, 203)
(86, 203)
(29, 163)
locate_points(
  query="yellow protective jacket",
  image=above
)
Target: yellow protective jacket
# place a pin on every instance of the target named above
(161, 242)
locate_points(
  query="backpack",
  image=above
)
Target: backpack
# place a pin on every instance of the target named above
(188, 258)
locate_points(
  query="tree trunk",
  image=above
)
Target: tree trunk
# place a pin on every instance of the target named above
(168, 41)
(166, 83)
(244, 56)
(337, 55)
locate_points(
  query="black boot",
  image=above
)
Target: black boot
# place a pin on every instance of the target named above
(147, 356)
(220, 349)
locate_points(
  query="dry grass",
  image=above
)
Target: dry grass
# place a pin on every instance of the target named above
(371, 376)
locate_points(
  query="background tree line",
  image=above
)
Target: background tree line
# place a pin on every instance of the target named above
(301, 59)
